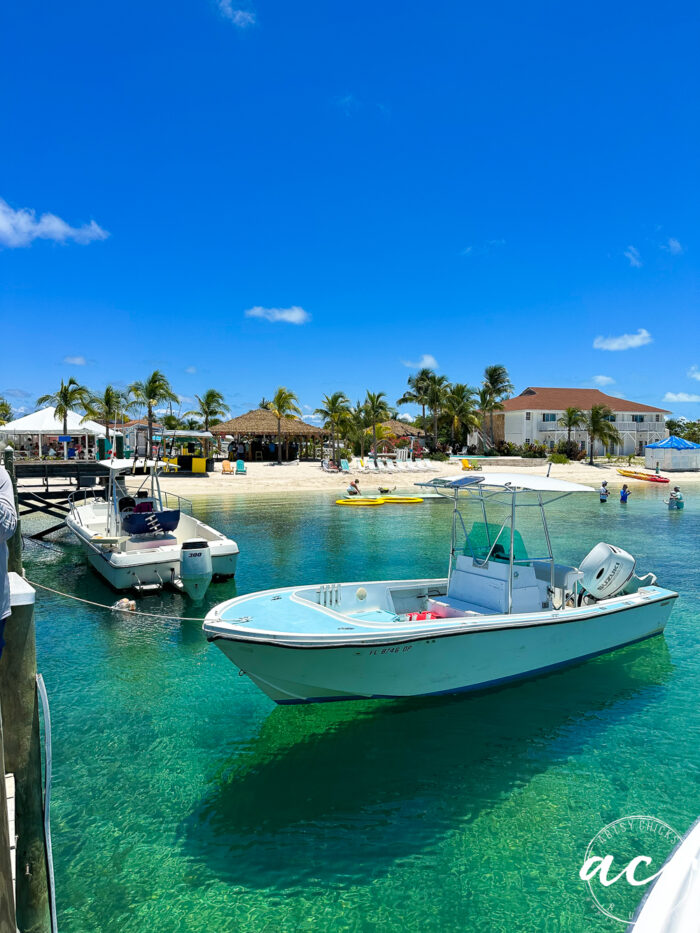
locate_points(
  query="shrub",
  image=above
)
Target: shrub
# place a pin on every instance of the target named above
(437, 455)
(570, 449)
(558, 458)
(534, 450)
(506, 449)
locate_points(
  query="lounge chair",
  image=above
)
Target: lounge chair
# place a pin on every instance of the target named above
(466, 465)
(226, 468)
(344, 466)
(372, 467)
(240, 467)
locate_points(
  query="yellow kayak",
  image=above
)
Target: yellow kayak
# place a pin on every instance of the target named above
(379, 500)
(359, 501)
(649, 477)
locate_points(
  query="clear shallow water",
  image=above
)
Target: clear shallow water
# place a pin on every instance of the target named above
(184, 800)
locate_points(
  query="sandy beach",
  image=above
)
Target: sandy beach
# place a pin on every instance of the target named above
(265, 478)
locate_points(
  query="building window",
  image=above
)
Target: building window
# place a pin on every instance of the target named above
(549, 416)
(527, 440)
(658, 417)
(611, 417)
(527, 415)
(638, 419)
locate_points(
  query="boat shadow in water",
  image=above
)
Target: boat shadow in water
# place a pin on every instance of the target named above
(337, 793)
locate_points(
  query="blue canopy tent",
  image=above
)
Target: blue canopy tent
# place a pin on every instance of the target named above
(673, 453)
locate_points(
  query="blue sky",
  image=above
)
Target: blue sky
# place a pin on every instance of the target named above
(378, 183)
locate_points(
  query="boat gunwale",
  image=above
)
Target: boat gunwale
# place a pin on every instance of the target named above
(501, 622)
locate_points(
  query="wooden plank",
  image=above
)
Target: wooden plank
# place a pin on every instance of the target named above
(10, 797)
(47, 531)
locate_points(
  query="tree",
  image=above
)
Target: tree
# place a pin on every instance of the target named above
(70, 395)
(417, 393)
(283, 404)
(210, 407)
(459, 407)
(112, 405)
(437, 390)
(153, 391)
(334, 410)
(376, 410)
(5, 410)
(600, 428)
(571, 419)
(355, 425)
(498, 387)
(487, 404)
(264, 402)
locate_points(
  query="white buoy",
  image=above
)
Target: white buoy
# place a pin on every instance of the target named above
(195, 568)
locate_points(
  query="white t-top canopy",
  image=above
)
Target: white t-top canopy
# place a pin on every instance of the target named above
(519, 481)
(45, 422)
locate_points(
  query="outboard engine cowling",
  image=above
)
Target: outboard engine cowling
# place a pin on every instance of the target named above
(195, 567)
(606, 569)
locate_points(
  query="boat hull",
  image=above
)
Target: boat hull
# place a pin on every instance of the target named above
(450, 662)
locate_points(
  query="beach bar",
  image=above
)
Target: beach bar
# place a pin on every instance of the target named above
(254, 436)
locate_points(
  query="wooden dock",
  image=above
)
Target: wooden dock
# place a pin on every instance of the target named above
(44, 487)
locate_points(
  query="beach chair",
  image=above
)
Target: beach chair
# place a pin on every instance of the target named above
(240, 468)
(372, 467)
(466, 465)
(226, 468)
(344, 466)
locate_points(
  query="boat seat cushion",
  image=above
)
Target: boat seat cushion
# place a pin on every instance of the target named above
(450, 608)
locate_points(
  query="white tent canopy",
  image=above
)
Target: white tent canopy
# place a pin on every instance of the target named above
(44, 423)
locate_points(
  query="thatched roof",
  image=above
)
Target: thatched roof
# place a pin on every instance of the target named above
(261, 421)
(402, 428)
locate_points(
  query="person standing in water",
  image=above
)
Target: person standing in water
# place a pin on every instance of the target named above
(624, 493)
(675, 498)
(604, 491)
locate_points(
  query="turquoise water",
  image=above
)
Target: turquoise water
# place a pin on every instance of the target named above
(184, 800)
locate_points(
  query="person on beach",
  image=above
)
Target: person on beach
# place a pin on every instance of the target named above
(624, 493)
(354, 488)
(604, 491)
(8, 523)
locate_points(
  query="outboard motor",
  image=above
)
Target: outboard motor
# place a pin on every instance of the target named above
(195, 568)
(606, 569)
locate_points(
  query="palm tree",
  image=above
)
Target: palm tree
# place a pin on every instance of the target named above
(283, 404)
(498, 387)
(210, 407)
(5, 410)
(486, 404)
(437, 390)
(355, 425)
(264, 402)
(571, 419)
(70, 395)
(600, 428)
(112, 405)
(151, 392)
(418, 390)
(459, 407)
(376, 410)
(334, 409)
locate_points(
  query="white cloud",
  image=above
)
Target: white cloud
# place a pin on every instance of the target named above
(483, 248)
(404, 416)
(191, 370)
(16, 393)
(21, 227)
(681, 397)
(427, 361)
(624, 341)
(293, 315)
(633, 255)
(240, 18)
(672, 246)
(694, 372)
(603, 380)
(75, 360)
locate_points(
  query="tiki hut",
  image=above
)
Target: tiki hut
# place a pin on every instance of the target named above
(403, 428)
(253, 436)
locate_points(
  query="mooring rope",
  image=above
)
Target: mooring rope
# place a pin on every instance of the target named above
(133, 612)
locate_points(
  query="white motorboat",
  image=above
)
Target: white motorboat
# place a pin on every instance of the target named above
(671, 902)
(500, 614)
(145, 539)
